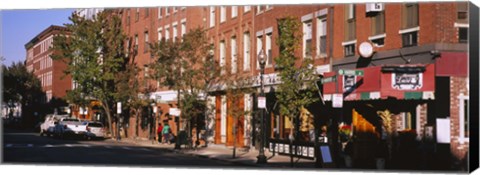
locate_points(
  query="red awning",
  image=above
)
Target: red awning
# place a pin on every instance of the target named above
(382, 82)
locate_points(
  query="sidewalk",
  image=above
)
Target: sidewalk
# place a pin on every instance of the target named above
(223, 153)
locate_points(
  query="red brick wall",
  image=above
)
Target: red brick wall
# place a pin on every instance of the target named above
(457, 85)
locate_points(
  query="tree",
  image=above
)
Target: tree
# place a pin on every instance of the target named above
(297, 89)
(189, 68)
(95, 55)
(236, 86)
(22, 86)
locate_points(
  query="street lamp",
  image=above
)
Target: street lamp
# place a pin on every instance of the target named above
(261, 158)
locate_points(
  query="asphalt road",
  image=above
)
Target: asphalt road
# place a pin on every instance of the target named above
(30, 148)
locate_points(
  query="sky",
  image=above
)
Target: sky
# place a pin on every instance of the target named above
(20, 26)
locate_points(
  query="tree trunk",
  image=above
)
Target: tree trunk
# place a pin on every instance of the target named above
(109, 116)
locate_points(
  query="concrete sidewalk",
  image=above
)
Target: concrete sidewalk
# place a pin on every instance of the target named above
(224, 153)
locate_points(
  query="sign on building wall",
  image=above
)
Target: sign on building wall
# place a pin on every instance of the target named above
(337, 101)
(262, 102)
(404, 81)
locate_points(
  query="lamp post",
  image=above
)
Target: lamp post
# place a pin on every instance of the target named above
(261, 158)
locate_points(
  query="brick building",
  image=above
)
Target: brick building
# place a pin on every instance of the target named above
(50, 72)
(424, 38)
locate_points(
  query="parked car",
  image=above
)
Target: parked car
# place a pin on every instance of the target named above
(69, 127)
(94, 130)
(48, 126)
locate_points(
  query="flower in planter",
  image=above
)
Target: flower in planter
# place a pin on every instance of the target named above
(344, 132)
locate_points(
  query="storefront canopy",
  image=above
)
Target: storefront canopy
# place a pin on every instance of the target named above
(382, 82)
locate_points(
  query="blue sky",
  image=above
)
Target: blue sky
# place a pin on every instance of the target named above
(20, 26)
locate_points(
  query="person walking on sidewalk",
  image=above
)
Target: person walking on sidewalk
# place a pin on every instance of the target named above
(166, 133)
(159, 132)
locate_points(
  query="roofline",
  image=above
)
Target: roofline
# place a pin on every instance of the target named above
(44, 32)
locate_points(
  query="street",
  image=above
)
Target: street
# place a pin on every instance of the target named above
(30, 148)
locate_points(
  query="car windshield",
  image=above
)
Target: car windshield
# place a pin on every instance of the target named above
(95, 125)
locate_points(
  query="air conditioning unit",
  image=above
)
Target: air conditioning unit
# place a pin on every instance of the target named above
(374, 7)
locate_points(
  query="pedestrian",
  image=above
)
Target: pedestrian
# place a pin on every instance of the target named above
(166, 133)
(159, 132)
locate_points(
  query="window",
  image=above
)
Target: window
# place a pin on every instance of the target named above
(184, 28)
(147, 12)
(268, 50)
(349, 50)
(246, 8)
(464, 118)
(136, 43)
(223, 14)
(350, 22)
(409, 39)
(175, 10)
(234, 11)
(167, 13)
(307, 39)
(167, 33)
(259, 47)
(145, 47)
(222, 56)
(378, 24)
(159, 34)
(462, 12)
(174, 27)
(410, 15)
(137, 14)
(463, 35)
(233, 56)
(322, 36)
(159, 12)
(212, 16)
(260, 9)
(246, 51)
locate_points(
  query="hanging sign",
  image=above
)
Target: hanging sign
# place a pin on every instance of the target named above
(119, 107)
(337, 101)
(262, 102)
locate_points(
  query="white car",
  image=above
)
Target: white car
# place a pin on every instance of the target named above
(48, 126)
(94, 130)
(69, 127)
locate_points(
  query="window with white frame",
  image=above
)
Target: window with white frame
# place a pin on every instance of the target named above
(464, 118)
(167, 33)
(159, 12)
(322, 36)
(307, 39)
(174, 27)
(223, 14)
(259, 47)
(167, 13)
(233, 54)
(246, 51)
(212, 16)
(260, 8)
(184, 28)
(222, 56)
(145, 46)
(234, 11)
(136, 43)
(268, 49)
(246, 8)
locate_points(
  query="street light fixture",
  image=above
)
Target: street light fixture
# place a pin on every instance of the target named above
(261, 158)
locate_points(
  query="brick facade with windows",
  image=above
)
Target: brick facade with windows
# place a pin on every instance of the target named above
(50, 72)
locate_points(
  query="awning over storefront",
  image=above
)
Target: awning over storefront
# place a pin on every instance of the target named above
(382, 82)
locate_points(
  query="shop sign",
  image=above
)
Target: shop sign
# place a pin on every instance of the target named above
(328, 79)
(406, 81)
(262, 101)
(349, 82)
(337, 101)
(351, 72)
(174, 111)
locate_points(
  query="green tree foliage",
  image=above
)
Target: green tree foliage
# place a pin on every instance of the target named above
(22, 86)
(95, 54)
(189, 68)
(297, 89)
